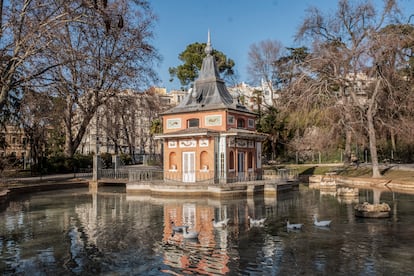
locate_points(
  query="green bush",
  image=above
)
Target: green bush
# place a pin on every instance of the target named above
(125, 159)
(106, 160)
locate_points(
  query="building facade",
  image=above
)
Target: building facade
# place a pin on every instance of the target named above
(16, 143)
(123, 125)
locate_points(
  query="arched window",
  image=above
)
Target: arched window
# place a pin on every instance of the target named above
(241, 123)
(250, 160)
(173, 161)
(204, 160)
(231, 160)
(194, 122)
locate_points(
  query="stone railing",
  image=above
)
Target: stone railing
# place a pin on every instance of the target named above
(281, 174)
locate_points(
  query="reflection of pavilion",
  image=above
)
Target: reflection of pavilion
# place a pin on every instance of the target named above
(194, 256)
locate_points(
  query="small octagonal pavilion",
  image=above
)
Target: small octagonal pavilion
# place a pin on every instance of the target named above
(210, 136)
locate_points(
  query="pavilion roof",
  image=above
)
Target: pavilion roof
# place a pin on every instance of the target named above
(209, 91)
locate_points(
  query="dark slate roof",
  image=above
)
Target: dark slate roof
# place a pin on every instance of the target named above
(209, 92)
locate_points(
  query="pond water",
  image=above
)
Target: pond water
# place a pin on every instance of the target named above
(79, 232)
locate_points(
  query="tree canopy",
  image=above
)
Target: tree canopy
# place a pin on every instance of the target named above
(82, 52)
(192, 58)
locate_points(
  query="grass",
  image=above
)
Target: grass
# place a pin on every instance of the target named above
(348, 171)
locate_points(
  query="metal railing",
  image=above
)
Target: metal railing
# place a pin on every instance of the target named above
(243, 177)
(113, 174)
(156, 174)
(145, 175)
(190, 176)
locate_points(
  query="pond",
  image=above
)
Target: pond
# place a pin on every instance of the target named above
(79, 232)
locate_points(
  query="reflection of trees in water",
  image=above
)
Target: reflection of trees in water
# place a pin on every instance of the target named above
(79, 232)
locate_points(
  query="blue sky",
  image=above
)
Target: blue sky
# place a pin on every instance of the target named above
(234, 26)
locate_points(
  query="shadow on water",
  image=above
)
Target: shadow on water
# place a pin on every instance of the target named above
(76, 232)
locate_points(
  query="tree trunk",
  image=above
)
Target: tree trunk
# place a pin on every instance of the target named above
(346, 123)
(72, 141)
(348, 141)
(128, 138)
(373, 144)
(393, 145)
(371, 129)
(274, 140)
(68, 144)
(68, 127)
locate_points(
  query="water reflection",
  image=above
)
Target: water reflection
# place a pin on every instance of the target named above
(107, 231)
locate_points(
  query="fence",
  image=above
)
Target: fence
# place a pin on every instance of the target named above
(155, 174)
(145, 175)
(190, 176)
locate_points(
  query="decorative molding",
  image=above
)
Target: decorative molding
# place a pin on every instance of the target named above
(251, 144)
(172, 144)
(241, 143)
(203, 143)
(213, 120)
(231, 142)
(173, 123)
(188, 143)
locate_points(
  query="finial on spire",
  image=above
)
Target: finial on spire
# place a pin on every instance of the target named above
(208, 48)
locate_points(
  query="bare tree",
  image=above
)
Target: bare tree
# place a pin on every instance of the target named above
(25, 29)
(36, 114)
(128, 119)
(106, 51)
(263, 60)
(391, 52)
(341, 44)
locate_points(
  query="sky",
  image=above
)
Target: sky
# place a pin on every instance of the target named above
(234, 26)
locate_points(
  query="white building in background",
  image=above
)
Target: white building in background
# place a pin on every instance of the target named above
(124, 123)
(177, 96)
(247, 94)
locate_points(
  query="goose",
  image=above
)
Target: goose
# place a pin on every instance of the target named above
(256, 222)
(177, 228)
(190, 235)
(293, 226)
(322, 223)
(221, 223)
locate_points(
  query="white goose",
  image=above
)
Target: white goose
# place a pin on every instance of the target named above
(190, 235)
(220, 223)
(256, 222)
(322, 223)
(294, 226)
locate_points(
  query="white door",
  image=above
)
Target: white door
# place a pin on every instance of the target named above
(188, 166)
(240, 166)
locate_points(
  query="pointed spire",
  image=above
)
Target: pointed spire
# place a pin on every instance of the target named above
(208, 50)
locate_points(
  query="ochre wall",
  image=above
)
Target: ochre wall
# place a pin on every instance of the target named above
(201, 173)
(225, 125)
(176, 172)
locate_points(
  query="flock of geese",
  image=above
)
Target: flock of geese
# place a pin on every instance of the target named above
(316, 222)
(252, 223)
